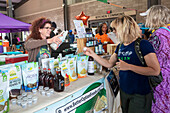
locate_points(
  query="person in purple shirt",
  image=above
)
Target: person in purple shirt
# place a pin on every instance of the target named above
(158, 18)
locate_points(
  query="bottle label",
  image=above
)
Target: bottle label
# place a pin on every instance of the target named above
(100, 48)
(91, 43)
(96, 49)
(91, 67)
(87, 44)
(61, 84)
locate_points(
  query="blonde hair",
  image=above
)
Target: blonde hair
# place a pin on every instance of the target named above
(126, 28)
(157, 16)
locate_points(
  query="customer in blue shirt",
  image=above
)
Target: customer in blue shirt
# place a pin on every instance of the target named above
(134, 86)
(71, 37)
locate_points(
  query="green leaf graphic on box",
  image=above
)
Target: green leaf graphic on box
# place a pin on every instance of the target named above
(17, 67)
(91, 103)
(4, 77)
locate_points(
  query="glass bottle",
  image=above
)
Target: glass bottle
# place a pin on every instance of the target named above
(58, 81)
(90, 66)
(100, 47)
(87, 42)
(45, 74)
(51, 79)
(41, 77)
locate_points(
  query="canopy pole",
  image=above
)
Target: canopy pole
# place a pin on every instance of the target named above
(9, 8)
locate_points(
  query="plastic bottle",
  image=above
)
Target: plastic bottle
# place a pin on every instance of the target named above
(90, 66)
(59, 81)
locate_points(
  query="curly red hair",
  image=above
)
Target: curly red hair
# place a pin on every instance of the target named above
(35, 26)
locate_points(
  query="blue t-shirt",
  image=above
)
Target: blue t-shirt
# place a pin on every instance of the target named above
(131, 82)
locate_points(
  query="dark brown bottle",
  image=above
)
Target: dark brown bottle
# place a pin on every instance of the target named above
(45, 74)
(46, 79)
(51, 79)
(90, 66)
(41, 78)
(58, 81)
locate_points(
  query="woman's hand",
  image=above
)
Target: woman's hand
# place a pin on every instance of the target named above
(55, 39)
(121, 65)
(89, 52)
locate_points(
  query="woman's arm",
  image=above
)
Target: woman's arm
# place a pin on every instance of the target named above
(152, 68)
(32, 44)
(106, 63)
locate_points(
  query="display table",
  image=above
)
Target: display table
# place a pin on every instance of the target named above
(44, 101)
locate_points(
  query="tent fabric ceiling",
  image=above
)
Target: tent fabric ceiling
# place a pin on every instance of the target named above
(8, 24)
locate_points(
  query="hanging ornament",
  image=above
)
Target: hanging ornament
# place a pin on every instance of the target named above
(82, 17)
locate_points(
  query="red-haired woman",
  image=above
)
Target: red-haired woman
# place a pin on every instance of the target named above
(36, 43)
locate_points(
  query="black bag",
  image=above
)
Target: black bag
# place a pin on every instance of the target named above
(113, 83)
(153, 80)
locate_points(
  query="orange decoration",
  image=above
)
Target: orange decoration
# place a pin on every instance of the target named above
(82, 17)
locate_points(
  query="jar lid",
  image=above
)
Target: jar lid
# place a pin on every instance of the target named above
(13, 100)
(24, 94)
(25, 98)
(46, 88)
(23, 103)
(34, 98)
(29, 101)
(29, 96)
(41, 87)
(19, 97)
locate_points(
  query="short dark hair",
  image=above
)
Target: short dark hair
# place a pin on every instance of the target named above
(53, 24)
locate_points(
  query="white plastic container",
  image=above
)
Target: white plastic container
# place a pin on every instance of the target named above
(29, 102)
(46, 88)
(34, 99)
(41, 87)
(19, 97)
(14, 101)
(43, 93)
(51, 91)
(24, 94)
(19, 102)
(48, 93)
(24, 104)
(25, 99)
(34, 91)
(29, 96)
